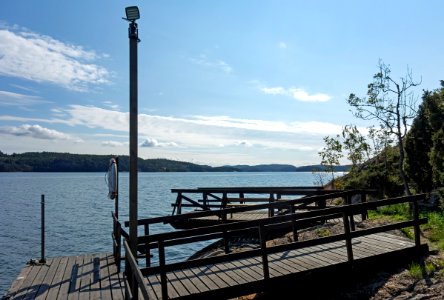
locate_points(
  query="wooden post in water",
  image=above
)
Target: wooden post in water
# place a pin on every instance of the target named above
(42, 227)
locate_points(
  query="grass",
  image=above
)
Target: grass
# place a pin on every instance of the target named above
(418, 271)
(323, 232)
(433, 230)
(396, 212)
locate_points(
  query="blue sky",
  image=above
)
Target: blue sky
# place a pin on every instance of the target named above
(224, 82)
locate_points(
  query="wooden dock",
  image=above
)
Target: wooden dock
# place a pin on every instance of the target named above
(264, 268)
(91, 276)
(267, 266)
(211, 206)
(287, 268)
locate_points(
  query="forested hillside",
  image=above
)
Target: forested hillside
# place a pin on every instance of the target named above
(66, 162)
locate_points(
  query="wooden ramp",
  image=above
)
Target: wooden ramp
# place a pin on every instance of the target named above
(91, 276)
(239, 277)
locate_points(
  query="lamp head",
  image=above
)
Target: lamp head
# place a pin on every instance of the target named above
(132, 13)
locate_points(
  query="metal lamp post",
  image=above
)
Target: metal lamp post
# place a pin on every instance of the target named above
(132, 14)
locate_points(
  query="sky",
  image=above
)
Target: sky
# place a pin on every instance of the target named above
(220, 82)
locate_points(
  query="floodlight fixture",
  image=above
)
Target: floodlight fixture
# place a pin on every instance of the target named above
(132, 13)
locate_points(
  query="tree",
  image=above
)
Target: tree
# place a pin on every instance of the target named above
(392, 105)
(330, 155)
(356, 145)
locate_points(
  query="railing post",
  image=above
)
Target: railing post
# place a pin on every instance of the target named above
(271, 208)
(163, 276)
(263, 241)
(223, 206)
(179, 203)
(364, 200)
(242, 196)
(295, 228)
(348, 241)
(352, 219)
(226, 242)
(147, 247)
(42, 259)
(416, 226)
(118, 249)
(205, 199)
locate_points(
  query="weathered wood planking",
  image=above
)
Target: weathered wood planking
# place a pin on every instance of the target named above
(91, 276)
(234, 277)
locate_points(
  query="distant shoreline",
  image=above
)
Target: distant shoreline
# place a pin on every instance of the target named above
(67, 162)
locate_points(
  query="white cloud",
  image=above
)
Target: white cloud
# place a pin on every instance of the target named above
(114, 144)
(151, 143)
(296, 93)
(221, 65)
(207, 133)
(41, 58)
(148, 143)
(37, 131)
(274, 90)
(15, 99)
(301, 95)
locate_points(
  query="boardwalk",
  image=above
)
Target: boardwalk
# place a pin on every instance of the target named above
(76, 277)
(232, 273)
(96, 277)
(238, 277)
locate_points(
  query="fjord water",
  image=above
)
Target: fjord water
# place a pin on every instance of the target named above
(78, 212)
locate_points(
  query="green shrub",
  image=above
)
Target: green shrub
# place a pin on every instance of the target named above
(418, 271)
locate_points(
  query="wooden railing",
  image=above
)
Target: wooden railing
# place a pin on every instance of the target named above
(162, 240)
(222, 197)
(290, 206)
(135, 281)
(117, 234)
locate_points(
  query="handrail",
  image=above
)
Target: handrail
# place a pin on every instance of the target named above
(232, 210)
(136, 273)
(163, 240)
(300, 217)
(251, 189)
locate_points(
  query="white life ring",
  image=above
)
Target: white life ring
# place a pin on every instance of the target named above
(112, 179)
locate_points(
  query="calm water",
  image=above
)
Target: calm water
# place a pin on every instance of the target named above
(78, 213)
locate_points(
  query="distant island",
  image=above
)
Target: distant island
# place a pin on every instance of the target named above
(67, 162)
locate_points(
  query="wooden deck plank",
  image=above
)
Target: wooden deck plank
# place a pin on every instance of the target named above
(95, 278)
(242, 271)
(176, 288)
(247, 270)
(207, 271)
(27, 282)
(187, 283)
(74, 288)
(37, 281)
(226, 270)
(18, 282)
(253, 265)
(85, 277)
(116, 283)
(105, 284)
(205, 279)
(197, 281)
(222, 275)
(154, 286)
(49, 277)
(58, 279)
